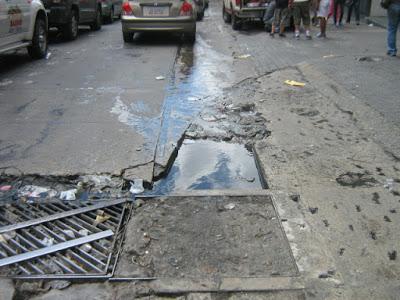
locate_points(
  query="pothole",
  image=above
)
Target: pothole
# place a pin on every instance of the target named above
(207, 165)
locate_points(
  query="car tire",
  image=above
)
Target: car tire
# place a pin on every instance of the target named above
(200, 16)
(190, 37)
(96, 25)
(227, 17)
(235, 22)
(70, 30)
(39, 46)
(128, 37)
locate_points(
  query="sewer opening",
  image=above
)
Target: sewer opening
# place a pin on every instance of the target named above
(211, 165)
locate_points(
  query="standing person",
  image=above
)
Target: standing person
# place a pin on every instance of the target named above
(393, 12)
(353, 4)
(338, 4)
(301, 12)
(323, 13)
(280, 17)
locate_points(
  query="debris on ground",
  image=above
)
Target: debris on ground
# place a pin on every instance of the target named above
(68, 195)
(5, 188)
(294, 83)
(33, 191)
(137, 187)
(101, 217)
(230, 206)
(160, 78)
(355, 179)
(242, 56)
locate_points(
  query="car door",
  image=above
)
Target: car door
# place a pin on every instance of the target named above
(87, 10)
(16, 21)
(4, 23)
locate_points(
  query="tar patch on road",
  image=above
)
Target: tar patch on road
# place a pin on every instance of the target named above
(206, 236)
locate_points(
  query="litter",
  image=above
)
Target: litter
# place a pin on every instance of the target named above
(33, 191)
(69, 233)
(243, 56)
(5, 188)
(371, 25)
(101, 217)
(83, 232)
(389, 184)
(328, 56)
(137, 186)
(7, 236)
(48, 242)
(68, 195)
(86, 247)
(48, 55)
(230, 206)
(160, 77)
(294, 83)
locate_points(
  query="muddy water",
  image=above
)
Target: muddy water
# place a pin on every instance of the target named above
(203, 165)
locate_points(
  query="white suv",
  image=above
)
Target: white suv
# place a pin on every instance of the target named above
(23, 23)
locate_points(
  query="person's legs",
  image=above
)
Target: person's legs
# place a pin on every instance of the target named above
(349, 11)
(305, 16)
(284, 16)
(297, 19)
(335, 8)
(322, 25)
(393, 23)
(341, 5)
(356, 4)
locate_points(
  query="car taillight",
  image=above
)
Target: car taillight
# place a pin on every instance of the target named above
(127, 9)
(238, 2)
(186, 9)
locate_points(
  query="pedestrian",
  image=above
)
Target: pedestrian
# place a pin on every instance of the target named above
(338, 4)
(301, 13)
(353, 4)
(323, 13)
(393, 12)
(280, 16)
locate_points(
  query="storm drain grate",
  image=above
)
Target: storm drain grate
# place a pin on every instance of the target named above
(61, 240)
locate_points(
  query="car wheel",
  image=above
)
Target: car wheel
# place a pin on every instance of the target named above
(190, 37)
(200, 16)
(38, 49)
(128, 37)
(235, 22)
(227, 17)
(70, 30)
(96, 25)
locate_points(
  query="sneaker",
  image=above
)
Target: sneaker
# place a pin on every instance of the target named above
(391, 53)
(282, 35)
(321, 35)
(297, 35)
(271, 34)
(308, 37)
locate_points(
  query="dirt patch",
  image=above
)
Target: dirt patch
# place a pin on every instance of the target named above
(206, 236)
(356, 179)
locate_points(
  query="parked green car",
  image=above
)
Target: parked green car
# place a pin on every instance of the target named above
(111, 9)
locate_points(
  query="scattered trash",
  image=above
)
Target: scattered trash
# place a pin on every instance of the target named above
(5, 188)
(356, 179)
(369, 59)
(137, 186)
(392, 255)
(86, 247)
(57, 284)
(69, 233)
(28, 82)
(160, 78)
(33, 191)
(138, 203)
(313, 210)
(250, 179)
(328, 56)
(230, 206)
(295, 197)
(243, 56)
(193, 98)
(389, 184)
(138, 149)
(4, 237)
(48, 55)
(68, 195)
(324, 275)
(48, 242)
(101, 217)
(371, 25)
(294, 83)
(83, 232)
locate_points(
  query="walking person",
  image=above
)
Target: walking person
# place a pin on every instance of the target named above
(338, 4)
(280, 17)
(353, 4)
(301, 13)
(393, 12)
(323, 13)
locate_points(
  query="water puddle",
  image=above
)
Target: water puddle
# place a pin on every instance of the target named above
(205, 165)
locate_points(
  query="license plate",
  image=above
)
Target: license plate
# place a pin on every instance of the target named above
(155, 11)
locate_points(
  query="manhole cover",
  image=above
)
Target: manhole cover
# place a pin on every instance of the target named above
(203, 236)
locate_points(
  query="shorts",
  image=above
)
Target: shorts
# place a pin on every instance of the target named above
(301, 12)
(323, 10)
(280, 16)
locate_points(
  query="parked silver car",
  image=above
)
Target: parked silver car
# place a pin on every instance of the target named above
(111, 9)
(23, 24)
(159, 15)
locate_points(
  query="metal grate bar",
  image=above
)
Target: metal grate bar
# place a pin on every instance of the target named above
(58, 215)
(54, 248)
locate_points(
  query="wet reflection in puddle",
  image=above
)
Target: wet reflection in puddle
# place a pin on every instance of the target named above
(202, 165)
